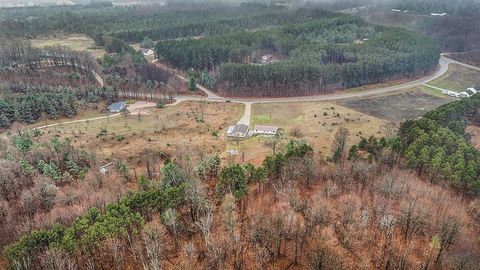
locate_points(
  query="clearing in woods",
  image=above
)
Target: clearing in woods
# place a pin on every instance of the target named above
(174, 130)
(313, 122)
(76, 42)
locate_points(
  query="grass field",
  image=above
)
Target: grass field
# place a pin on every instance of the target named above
(316, 122)
(458, 78)
(76, 42)
(399, 107)
(174, 130)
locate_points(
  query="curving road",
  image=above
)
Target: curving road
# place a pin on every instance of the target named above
(444, 62)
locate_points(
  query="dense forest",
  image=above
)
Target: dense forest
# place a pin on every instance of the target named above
(132, 24)
(327, 53)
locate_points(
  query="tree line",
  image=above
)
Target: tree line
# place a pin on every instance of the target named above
(29, 103)
(321, 55)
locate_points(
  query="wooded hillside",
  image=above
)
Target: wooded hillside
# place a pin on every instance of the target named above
(322, 54)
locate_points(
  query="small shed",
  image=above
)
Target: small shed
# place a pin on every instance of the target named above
(237, 131)
(265, 130)
(117, 106)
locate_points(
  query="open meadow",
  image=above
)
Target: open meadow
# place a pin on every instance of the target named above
(76, 42)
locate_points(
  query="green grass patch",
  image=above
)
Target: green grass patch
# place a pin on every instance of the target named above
(262, 119)
(457, 78)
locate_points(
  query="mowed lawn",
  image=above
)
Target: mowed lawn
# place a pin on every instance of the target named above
(458, 78)
(76, 42)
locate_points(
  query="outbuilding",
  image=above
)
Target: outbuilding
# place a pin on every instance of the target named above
(117, 107)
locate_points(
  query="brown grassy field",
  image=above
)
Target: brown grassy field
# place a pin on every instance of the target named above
(174, 130)
(316, 122)
(399, 107)
(76, 42)
(472, 58)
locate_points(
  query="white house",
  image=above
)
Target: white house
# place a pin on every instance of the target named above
(471, 91)
(438, 14)
(147, 52)
(265, 130)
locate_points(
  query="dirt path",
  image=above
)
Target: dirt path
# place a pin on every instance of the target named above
(132, 109)
(77, 121)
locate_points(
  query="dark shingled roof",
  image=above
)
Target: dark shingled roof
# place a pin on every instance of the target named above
(117, 106)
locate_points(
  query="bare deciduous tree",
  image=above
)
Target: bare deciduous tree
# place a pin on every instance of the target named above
(55, 259)
(339, 143)
(153, 239)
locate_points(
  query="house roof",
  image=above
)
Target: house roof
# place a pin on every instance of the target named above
(117, 106)
(241, 128)
(238, 130)
(470, 92)
(230, 129)
(262, 128)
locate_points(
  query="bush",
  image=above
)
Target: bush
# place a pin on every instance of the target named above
(160, 104)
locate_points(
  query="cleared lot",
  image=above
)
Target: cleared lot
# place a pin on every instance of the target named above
(398, 107)
(76, 42)
(177, 130)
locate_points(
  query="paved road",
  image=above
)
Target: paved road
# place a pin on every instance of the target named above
(444, 62)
